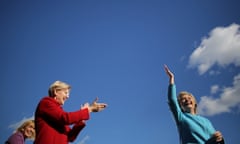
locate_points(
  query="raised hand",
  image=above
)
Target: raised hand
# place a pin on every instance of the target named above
(170, 74)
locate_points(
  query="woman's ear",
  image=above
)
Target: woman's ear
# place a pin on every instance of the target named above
(195, 108)
(55, 92)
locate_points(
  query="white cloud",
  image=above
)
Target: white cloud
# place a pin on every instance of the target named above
(229, 98)
(83, 141)
(212, 72)
(222, 48)
(17, 124)
(214, 89)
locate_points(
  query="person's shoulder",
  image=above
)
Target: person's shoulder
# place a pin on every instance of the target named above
(15, 136)
(47, 99)
(203, 118)
(20, 134)
(46, 102)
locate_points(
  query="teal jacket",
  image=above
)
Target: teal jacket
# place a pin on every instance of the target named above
(193, 129)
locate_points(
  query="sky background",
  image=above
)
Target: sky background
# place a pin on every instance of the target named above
(116, 50)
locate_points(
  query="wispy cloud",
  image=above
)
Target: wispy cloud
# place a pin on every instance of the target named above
(221, 48)
(214, 89)
(17, 124)
(83, 141)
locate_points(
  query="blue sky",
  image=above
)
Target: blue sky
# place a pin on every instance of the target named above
(116, 50)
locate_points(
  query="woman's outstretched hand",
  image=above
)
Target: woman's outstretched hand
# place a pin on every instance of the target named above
(95, 106)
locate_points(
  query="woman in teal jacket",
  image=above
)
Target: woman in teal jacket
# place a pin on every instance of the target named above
(192, 128)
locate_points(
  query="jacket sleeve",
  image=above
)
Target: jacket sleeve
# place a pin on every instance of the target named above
(173, 103)
(212, 141)
(76, 129)
(52, 111)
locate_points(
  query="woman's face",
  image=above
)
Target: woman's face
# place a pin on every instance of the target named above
(29, 131)
(187, 103)
(61, 95)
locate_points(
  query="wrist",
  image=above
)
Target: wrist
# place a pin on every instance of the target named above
(90, 109)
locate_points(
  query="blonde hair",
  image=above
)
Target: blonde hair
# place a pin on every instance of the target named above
(57, 85)
(182, 93)
(22, 127)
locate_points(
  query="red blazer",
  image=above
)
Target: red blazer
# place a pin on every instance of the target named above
(52, 123)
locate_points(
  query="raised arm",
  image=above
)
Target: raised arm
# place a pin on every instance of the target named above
(172, 96)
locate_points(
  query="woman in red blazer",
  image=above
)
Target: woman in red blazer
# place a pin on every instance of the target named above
(52, 123)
